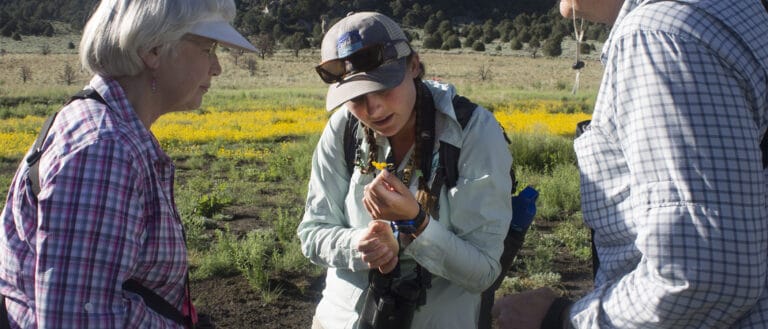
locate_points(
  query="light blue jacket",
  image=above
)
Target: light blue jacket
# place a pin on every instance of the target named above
(461, 250)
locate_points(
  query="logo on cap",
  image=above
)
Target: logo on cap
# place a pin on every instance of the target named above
(348, 43)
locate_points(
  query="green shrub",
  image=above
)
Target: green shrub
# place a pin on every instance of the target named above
(251, 255)
(575, 236)
(211, 203)
(194, 231)
(478, 46)
(452, 42)
(219, 260)
(541, 152)
(544, 251)
(552, 47)
(559, 193)
(433, 41)
(291, 260)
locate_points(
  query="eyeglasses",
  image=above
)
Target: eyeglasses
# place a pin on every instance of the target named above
(212, 50)
(209, 45)
(364, 60)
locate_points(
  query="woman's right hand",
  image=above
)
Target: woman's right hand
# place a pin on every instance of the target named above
(379, 246)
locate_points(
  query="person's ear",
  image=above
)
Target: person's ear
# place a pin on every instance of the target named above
(151, 58)
(414, 66)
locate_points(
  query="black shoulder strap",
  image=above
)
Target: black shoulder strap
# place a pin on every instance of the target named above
(425, 131)
(37, 151)
(155, 302)
(350, 142)
(764, 149)
(34, 158)
(764, 142)
(463, 108)
(4, 322)
(449, 154)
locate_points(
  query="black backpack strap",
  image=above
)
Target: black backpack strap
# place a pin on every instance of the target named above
(449, 154)
(33, 160)
(350, 142)
(425, 130)
(582, 127)
(463, 108)
(87, 93)
(5, 323)
(155, 302)
(764, 149)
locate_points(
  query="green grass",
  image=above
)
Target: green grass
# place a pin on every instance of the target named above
(575, 236)
(559, 192)
(541, 152)
(266, 98)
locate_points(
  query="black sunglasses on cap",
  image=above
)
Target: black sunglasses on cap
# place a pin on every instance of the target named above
(362, 60)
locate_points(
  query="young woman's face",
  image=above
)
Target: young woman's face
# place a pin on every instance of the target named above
(389, 111)
(185, 76)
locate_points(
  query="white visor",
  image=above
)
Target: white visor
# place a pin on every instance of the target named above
(220, 30)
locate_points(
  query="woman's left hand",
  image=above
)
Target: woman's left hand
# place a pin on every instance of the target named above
(386, 197)
(378, 246)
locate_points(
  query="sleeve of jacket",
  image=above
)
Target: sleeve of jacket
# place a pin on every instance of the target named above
(465, 245)
(325, 233)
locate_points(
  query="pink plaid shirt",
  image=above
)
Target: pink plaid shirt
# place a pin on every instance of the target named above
(105, 214)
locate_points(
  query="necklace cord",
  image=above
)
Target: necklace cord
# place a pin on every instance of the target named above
(578, 32)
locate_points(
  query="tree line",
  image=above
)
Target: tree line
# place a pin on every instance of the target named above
(299, 24)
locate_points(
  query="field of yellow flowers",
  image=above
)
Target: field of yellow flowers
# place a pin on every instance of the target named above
(189, 130)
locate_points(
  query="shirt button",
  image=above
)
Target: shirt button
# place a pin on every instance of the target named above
(88, 307)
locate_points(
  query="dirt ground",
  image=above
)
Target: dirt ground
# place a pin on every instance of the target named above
(233, 305)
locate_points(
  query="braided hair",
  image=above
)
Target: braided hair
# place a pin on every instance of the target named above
(423, 195)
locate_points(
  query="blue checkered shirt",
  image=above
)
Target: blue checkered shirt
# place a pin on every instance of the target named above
(672, 178)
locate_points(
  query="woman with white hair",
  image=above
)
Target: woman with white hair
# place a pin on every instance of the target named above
(91, 237)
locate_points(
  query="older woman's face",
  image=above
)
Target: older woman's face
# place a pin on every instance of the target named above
(598, 11)
(186, 75)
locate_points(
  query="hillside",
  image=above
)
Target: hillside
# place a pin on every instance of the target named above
(25, 16)
(298, 24)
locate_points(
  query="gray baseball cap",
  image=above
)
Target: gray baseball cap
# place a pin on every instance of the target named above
(358, 31)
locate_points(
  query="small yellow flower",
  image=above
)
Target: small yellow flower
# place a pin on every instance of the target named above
(381, 165)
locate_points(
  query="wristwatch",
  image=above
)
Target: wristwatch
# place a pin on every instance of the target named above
(411, 226)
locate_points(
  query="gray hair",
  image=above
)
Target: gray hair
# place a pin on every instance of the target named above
(120, 30)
